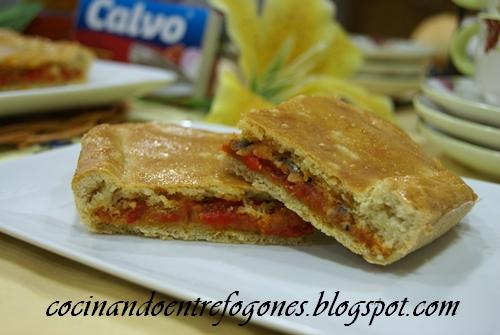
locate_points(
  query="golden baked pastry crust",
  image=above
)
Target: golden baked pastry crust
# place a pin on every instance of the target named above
(167, 181)
(393, 188)
(350, 144)
(359, 149)
(62, 61)
(21, 51)
(165, 157)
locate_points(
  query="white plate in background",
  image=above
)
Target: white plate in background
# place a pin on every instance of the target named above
(391, 48)
(36, 205)
(395, 86)
(467, 130)
(471, 155)
(460, 96)
(108, 82)
(389, 68)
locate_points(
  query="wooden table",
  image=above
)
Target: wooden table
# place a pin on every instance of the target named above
(31, 278)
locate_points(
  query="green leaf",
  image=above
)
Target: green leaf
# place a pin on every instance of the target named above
(271, 92)
(17, 17)
(274, 67)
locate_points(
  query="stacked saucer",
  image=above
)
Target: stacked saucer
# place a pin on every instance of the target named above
(395, 67)
(454, 117)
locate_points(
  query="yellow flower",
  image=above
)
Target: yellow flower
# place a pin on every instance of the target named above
(231, 99)
(293, 47)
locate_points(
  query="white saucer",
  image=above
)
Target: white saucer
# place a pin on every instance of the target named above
(391, 48)
(460, 96)
(467, 130)
(394, 68)
(473, 156)
(394, 86)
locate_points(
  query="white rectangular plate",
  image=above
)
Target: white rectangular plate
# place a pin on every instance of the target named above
(36, 205)
(108, 82)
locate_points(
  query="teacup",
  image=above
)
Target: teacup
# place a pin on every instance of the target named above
(486, 64)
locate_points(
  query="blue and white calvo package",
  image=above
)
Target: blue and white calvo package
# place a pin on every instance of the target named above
(181, 37)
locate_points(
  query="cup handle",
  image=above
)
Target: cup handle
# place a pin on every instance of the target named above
(458, 49)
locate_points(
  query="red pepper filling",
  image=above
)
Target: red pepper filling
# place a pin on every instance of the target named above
(304, 191)
(46, 74)
(319, 200)
(217, 213)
